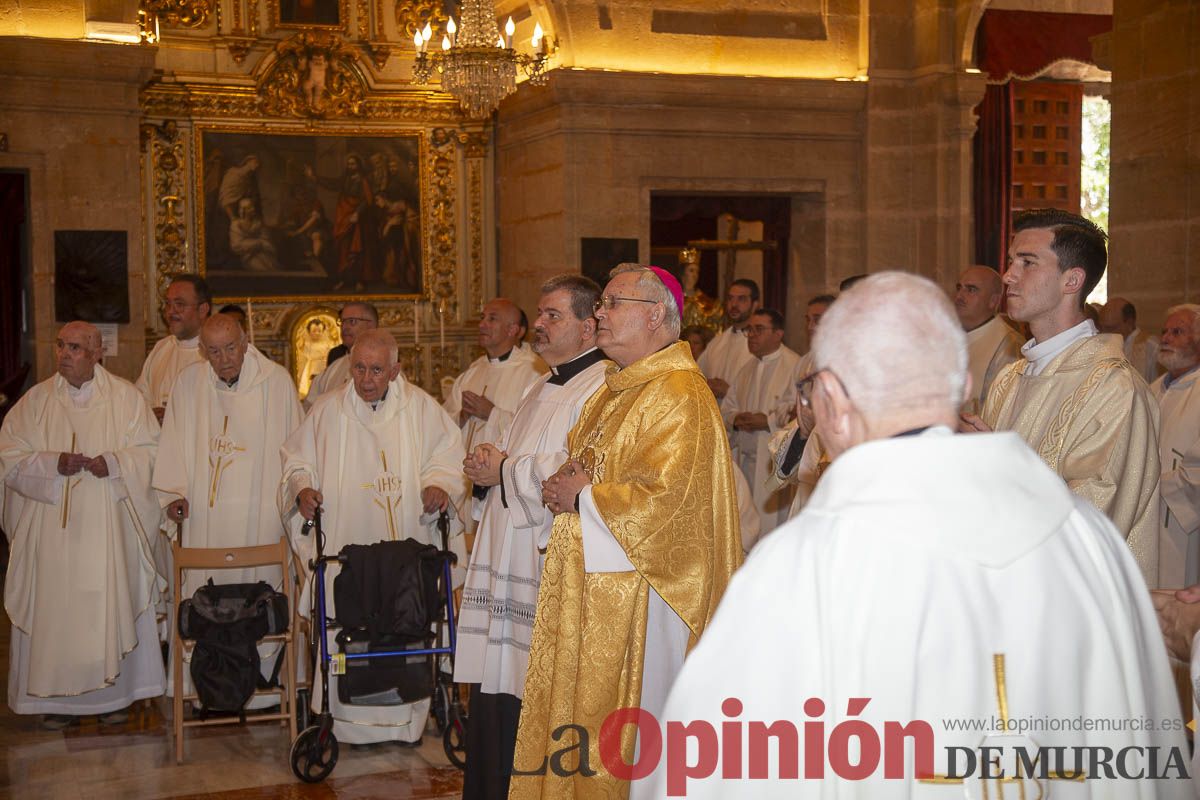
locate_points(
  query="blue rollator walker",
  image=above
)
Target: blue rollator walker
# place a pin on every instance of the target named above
(315, 751)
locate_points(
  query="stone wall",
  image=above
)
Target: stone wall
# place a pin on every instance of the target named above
(1155, 179)
(70, 110)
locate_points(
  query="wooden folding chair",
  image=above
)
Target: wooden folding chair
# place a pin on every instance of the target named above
(186, 558)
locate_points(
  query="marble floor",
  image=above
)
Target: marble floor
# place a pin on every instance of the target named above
(91, 761)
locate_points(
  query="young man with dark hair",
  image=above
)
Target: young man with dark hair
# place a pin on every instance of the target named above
(1073, 396)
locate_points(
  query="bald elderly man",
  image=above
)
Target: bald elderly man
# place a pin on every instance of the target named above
(381, 459)
(485, 396)
(218, 457)
(991, 344)
(77, 451)
(891, 560)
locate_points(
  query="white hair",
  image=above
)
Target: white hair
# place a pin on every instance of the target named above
(656, 290)
(896, 344)
(1193, 311)
(377, 337)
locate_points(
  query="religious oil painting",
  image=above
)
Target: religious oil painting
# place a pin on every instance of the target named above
(305, 216)
(310, 13)
(314, 334)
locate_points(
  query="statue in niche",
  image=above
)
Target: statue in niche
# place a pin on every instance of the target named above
(698, 308)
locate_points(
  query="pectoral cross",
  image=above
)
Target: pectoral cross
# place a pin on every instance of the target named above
(1019, 779)
(388, 491)
(593, 462)
(223, 447)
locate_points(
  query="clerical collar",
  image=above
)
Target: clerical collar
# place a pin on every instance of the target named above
(189, 344)
(1168, 380)
(567, 371)
(910, 432)
(232, 382)
(769, 357)
(1040, 354)
(500, 359)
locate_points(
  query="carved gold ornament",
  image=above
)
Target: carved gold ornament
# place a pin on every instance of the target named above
(180, 13)
(315, 74)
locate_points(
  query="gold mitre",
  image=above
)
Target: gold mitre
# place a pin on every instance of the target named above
(689, 255)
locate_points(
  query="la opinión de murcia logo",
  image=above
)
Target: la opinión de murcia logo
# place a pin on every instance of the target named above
(852, 750)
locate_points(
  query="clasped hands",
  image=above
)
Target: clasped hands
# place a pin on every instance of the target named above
(74, 463)
(476, 405)
(750, 421)
(560, 490)
(482, 465)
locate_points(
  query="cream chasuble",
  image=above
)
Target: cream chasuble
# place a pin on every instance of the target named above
(767, 386)
(333, 377)
(370, 466)
(990, 347)
(939, 578)
(662, 492)
(1092, 419)
(502, 382)
(496, 622)
(81, 583)
(1179, 459)
(725, 355)
(169, 357)
(219, 450)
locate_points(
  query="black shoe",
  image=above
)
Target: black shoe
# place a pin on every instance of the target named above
(118, 717)
(417, 743)
(57, 722)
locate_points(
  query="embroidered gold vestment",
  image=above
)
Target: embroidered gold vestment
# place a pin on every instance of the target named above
(662, 480)
(1092, 419)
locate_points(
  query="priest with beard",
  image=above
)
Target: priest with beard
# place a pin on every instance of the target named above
(381, 459)
(931, 577)
(1178, 395)
(644, 540)
(77, 452)
(499, 600)
(218, 458)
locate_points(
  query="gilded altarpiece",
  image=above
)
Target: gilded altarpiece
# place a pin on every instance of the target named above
(335, 91)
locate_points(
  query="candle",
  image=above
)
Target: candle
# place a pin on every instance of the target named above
(250, 318)
(452, 29)
(442, 326)
(509, 29)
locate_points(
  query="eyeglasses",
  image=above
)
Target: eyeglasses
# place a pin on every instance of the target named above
(804, 387)
(352, 321)
(178, 305)
(609, 300)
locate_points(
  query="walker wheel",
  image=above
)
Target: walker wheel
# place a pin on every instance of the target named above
(454, 741)
(314, 754)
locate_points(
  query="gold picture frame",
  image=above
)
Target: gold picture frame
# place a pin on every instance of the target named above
(329, 215)
(291, 14)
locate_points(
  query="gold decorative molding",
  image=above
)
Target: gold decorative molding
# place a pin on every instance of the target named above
(442, 229)
(237, 17)
(475, 231)
(239, 49)
(379, 52)
(180, 13)
(241, 103)
(364, 19)
(412, 15)
(169, 186)
(252, 14)
(315, 74)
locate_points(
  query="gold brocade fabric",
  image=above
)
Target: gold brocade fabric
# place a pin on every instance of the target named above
(1092, 419)
(663, 482)
(700, 309)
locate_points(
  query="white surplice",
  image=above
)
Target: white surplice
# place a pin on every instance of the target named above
(219, 450)
(990, 348)
(333, 377)
(370, 466)
(917, 562)
(1179, 487)
(496, 622)
(765, 386)
(81, 583)
(725, 355)
(169, 357)
(503, 382)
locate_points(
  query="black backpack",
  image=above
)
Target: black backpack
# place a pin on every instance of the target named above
(389, 589)
(226, 621)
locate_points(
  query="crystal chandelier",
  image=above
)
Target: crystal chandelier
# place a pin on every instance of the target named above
(478, 65)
